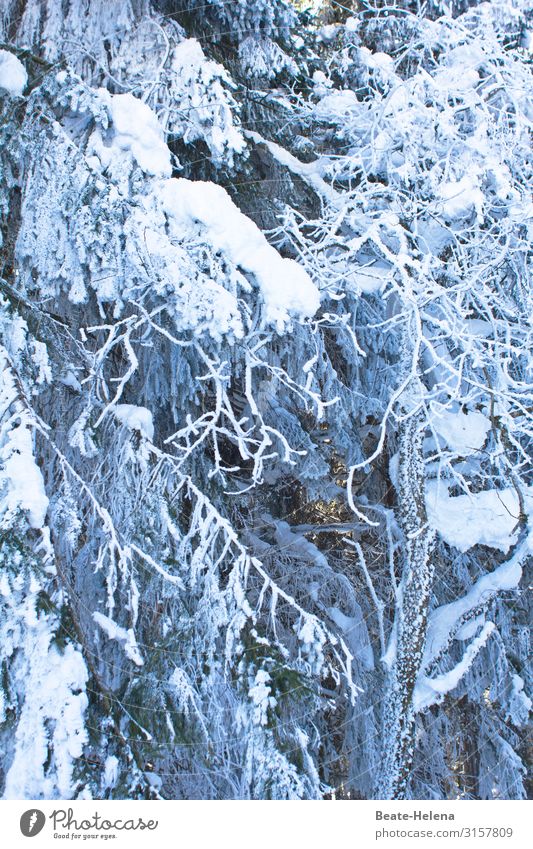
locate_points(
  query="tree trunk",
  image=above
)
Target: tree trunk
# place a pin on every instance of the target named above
(414, 596)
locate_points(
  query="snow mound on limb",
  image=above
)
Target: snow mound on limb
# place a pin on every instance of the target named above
(174, 213)
(489, 517)
(462, 432)
(286, 288)
(138, 130)
(136, 418)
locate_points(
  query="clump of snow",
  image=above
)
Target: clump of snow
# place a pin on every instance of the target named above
(25, 489)
(111, 769)
(286, 288)
(52, 714)
(380, 63)
(459, 198)
(321, 81)
(463, 432)
(312, 638)
(461, 72)
(136, 418)
(260, 694)
(262, 57)
(456, 79)
(328, 32)
(21, 481)
(187, 54)
(519, 702)
(41, 362)
(203, 107)
(122, 635)
(68, 378)
(13, 76)
(467, 56)
(334, 106)
(489, 517)
(135, 128)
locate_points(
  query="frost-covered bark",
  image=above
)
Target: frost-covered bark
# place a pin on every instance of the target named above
(409, 631)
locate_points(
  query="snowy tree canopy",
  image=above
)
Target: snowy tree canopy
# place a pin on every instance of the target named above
(266, 399)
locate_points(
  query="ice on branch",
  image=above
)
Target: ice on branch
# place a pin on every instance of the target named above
(122, 635)
(429, 691)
